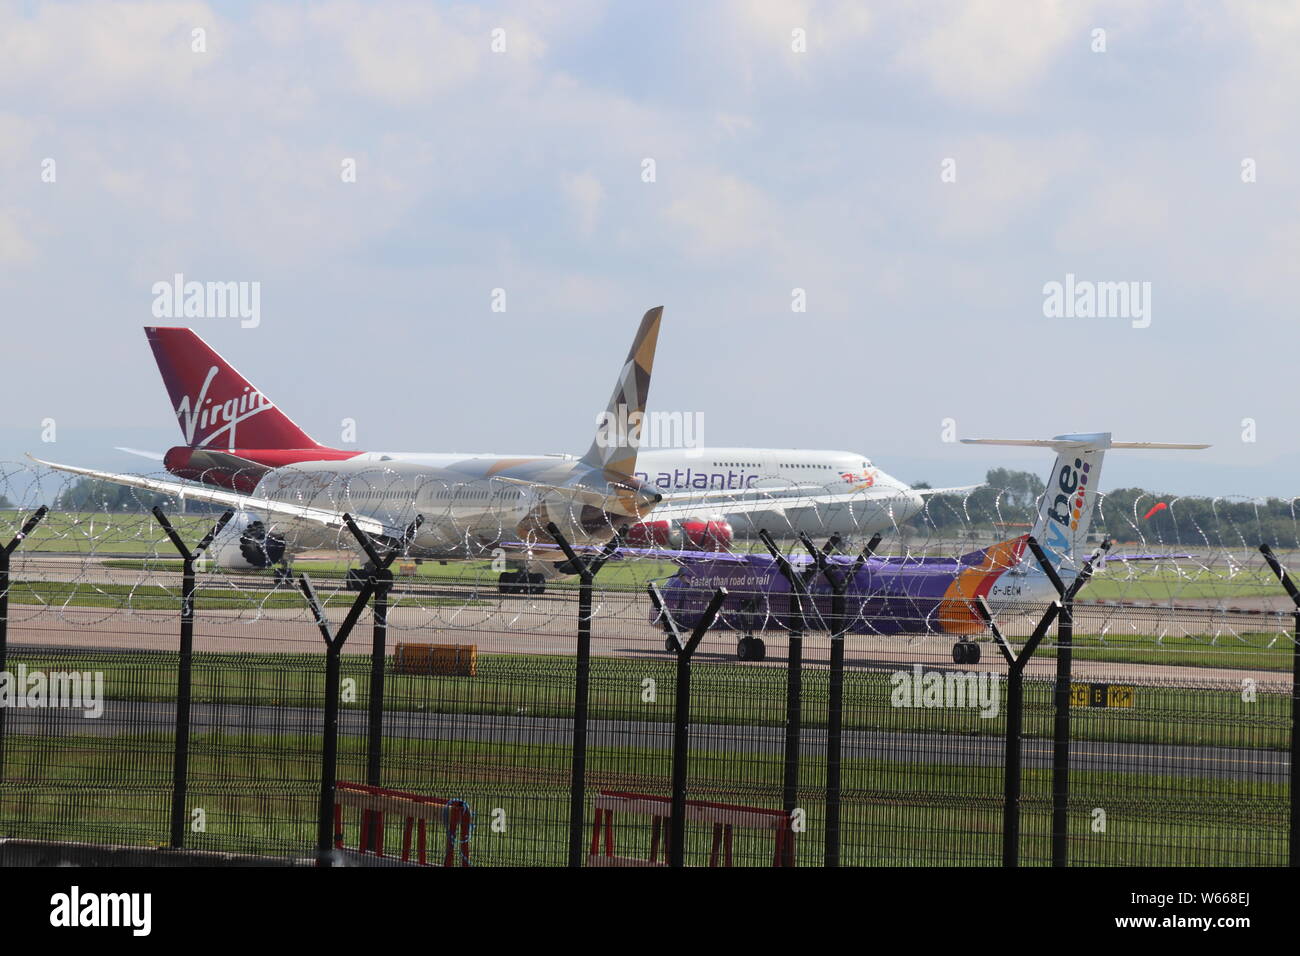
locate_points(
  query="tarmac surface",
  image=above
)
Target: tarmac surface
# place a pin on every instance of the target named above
(547, 624)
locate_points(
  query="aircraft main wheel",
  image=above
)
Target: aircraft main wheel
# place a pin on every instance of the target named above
(959, 653)
(750, 649)
(972, 653)
(670, 645)
(536, 583)
(507, 582)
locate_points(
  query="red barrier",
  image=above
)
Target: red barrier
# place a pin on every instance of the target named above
(452, 817)
(723, 816)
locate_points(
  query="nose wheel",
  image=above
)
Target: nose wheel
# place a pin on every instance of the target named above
(750, 649)
(965, 652)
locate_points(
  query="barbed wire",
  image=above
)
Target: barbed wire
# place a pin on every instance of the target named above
(100, 553)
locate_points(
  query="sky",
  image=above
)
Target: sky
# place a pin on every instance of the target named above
(854, 213)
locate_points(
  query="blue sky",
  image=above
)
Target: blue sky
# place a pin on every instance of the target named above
(775, 170)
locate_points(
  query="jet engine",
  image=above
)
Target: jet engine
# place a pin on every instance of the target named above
(247, 542)
(692, 534)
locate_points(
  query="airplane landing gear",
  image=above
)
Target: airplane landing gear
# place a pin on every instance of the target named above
(356, 578)
(521, 582)
(750, 648)
(965, 652)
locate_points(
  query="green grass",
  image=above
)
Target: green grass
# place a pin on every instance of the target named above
(88, 532)
(1161, 583)
(259, 795)
(1248, 650)
(616, 575)
(733, 694)
(150, 597)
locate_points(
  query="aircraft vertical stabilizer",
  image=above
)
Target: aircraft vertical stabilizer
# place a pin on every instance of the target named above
(1065, 511)
(215, 406)
(618, 432)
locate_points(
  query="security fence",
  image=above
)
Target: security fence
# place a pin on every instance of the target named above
(1148, 719)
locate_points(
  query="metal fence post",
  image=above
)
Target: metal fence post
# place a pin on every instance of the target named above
(382, 579)
(1061, 696)
(793, 690)
(1015, 719)
(1293, 848)
(330, 729)
(682, 714)
(5, 552)
(835, 687)
(586, 571)
(378, 662)
(184, 670)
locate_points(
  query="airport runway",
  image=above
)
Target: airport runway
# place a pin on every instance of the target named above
(937, 748)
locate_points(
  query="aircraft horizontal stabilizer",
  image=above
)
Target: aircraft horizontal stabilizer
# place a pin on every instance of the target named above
(1064, 442)
(964, 490)
(151, 455)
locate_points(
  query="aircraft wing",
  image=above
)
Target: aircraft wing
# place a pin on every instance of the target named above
(963, 490)
(687, 506)
(1106, 558)
(325, 517)
(552, 552)
(704, 494)
(151, 455)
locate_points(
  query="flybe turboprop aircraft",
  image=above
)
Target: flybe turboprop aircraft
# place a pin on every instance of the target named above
(913, 595)
(233, 435)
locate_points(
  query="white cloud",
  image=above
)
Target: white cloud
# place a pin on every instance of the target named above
(717, 213)
(587, 195)
(399, 53)
(100, 51)
(15, 248)
(1000, 179)
(990, 52)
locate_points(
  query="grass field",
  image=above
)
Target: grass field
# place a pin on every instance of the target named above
(139, 533)
(1249, 650)
(1162, 583)
(616, 575)
(150, 597)
(259, 794)
(729, 694)
(90, 531)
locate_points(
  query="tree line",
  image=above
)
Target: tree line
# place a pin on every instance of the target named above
(1009, 501)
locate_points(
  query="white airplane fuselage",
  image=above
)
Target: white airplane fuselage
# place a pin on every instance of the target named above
(872, 499)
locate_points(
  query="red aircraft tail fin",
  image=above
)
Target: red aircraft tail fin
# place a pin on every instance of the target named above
(215, 406)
